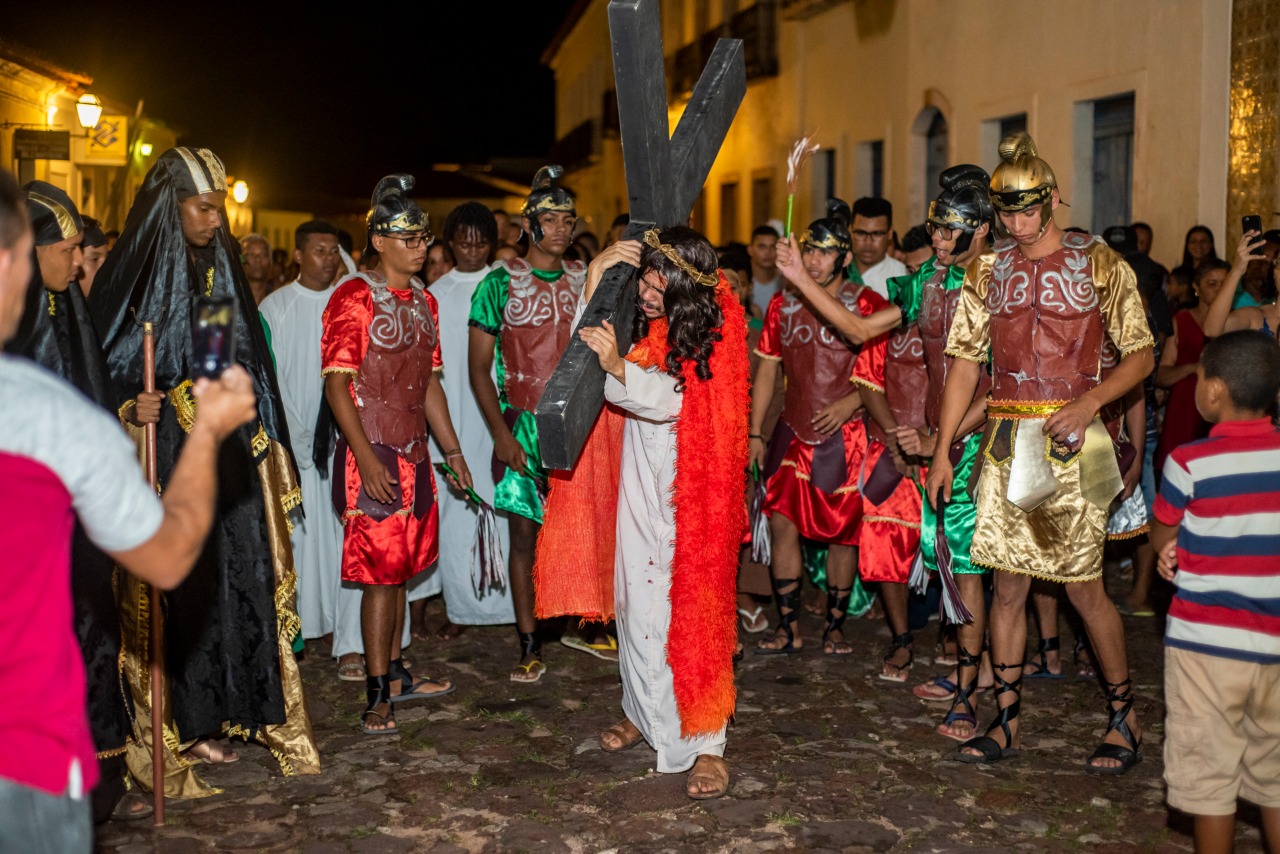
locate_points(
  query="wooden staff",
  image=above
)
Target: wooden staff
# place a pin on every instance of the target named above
(157, 669)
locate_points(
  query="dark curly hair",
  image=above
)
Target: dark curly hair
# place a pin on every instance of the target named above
(693, 313)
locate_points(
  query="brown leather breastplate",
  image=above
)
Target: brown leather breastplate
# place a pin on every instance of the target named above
(818, 361)
(1046, 326)
(937, 311)
(906, 378)
(392, 384)
(537, 321)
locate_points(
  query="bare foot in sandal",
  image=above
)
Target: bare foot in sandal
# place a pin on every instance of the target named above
(620, 736)
(212, 752)
(709, 778)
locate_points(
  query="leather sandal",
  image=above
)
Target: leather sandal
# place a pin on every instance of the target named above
(709, 768)
(963, 698)
(627, 734)
(990, 750)
(788, 603)
(1040, 661)
(837, 606)
(378, 693)
(1122, 693)
(902, 641)
(411, 689)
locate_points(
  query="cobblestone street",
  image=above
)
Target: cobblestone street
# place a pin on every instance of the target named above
(824, 757)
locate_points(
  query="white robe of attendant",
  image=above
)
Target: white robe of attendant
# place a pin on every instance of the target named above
(458, 519)
(294, 315)
(642, 569)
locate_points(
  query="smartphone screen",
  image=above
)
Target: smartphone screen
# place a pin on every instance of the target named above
(213, 336)
(1252, 222)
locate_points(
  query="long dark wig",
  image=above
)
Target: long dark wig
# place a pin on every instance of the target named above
(693, 315)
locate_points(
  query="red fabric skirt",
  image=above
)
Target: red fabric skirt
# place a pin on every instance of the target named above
(400, 546)
(827, 517)
(891, 529)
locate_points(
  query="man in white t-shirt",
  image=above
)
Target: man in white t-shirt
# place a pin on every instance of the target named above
(61, 454)
(872, 231)
(764, 272)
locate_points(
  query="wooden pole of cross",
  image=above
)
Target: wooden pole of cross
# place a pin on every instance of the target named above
(665, 173)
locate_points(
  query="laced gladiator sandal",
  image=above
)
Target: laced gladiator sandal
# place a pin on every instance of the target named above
(1122, 693)
(837, 607)
(1041, 660)
(964, 693)
(378, 693)
(531, 649)
(411, 689)
(989, 749)
(902, 641)
(788, 605)
(1086, 668)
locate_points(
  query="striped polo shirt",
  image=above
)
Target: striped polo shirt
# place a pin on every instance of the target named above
(1224, 492)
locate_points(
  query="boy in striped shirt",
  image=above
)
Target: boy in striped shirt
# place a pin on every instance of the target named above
(1221, 500)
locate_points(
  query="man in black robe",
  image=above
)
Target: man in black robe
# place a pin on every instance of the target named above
(229, 626)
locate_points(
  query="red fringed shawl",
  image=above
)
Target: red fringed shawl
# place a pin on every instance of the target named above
(709, 496)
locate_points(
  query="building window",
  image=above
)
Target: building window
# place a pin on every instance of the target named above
(761, 200)
(824, 181)
(868, 178)
(991, 131)
(728, 211)
(1112, 161)
(935, 152)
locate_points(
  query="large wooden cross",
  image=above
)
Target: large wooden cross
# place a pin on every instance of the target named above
(665, 173)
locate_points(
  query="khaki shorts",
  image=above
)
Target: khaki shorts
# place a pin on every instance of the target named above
(1222, 734)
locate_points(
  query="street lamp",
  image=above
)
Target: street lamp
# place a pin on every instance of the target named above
(240, 192)
(146, 149)
(88, 111)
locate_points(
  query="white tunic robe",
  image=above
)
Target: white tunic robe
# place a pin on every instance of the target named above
(453, 293)
(293, 313)
(642, 571)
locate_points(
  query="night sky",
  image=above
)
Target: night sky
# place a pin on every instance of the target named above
(301, 104)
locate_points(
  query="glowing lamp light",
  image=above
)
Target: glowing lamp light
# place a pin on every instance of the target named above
(240, 192)
(146, 149)
(88, 110)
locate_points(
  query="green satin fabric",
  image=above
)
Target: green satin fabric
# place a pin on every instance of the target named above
(958, 519)
(516, 492)
(815, 565)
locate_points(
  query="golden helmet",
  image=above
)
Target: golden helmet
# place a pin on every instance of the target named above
(1022, 180)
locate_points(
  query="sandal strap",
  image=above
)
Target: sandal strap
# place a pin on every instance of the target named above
(966, 688)
(397, 670)
(1007, 714)
(377, 691)
(1122, 693)
(788, 604)
(1053, 644)
(837, 608)
(530, 644)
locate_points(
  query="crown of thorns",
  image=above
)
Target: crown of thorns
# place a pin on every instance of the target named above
(706, 279)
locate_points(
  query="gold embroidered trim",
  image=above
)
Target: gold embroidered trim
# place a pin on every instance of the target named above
(990, 565)
(1129, 535)
(1141, 345)
(259, 443)
(868, 384)
(290, 501)
(208, 282)
(957, 355)
(53, 307)
(125, 408)
(915, 526)
(1017, 409)
(184, 405)
(991, 440)
(352, 371)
